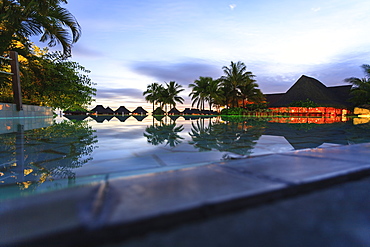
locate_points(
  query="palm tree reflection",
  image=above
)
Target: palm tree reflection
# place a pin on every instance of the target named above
(164, 133)
(236, 137)
(47, 153)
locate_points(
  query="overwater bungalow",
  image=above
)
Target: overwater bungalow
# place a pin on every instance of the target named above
(101, 119)
(75, 113)
(76, 117)
(122, 111)
(122, 118)
(174, 111)
(208, 112)
(330, 101)
(139, 117)
(98, 110)
(158, 112)
(189, 111)
(109, 111)
(139, 111)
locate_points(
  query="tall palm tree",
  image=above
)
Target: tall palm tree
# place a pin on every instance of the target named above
(26, 18)
(214, 93)
(361, 91)
(199, 93)
(250, 92)
(170, 94)
(152, 93)
(236, 75)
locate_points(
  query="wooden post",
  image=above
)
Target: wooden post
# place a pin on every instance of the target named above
(17, 93)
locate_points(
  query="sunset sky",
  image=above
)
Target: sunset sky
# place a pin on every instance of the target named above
(130, 44)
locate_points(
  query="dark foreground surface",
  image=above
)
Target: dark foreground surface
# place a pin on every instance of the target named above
(336, 216)
(316, 197)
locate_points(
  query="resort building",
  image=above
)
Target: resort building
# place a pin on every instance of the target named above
(325, 101)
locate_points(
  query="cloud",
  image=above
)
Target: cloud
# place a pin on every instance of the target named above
(232, 6)
(183, 72)
(114, 93)
(316, 9)
(84, 51)
(330, 74)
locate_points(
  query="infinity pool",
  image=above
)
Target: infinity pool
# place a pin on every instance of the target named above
(69, 152)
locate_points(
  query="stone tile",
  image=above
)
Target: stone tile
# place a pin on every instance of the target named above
(296, 168)
(352, 153)
(171, 192)
(46, 214)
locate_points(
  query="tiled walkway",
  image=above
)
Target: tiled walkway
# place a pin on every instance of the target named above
(124, 207)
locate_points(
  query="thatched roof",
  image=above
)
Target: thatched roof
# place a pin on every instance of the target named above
(122, 118)
(189, 111)
(312, 89)
(140, 110)
(99, 109)
(158, 111)
(140, 118)
(174, 111)
(101, 119)
(122, 110)
(76, 117)
(272, 98)
(109, 111)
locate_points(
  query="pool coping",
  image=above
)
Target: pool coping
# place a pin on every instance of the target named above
(120, 208)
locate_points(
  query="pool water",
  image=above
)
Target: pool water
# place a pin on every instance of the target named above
(80, 150)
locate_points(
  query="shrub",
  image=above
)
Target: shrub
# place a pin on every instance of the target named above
(233, 111)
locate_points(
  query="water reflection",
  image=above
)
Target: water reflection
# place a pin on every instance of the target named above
(32, 157)
(164, 133)
(29, 158)
(238, 137)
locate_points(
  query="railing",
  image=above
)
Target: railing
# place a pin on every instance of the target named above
(14, 65)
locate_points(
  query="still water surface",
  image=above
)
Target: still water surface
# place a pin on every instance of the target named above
(73, 152)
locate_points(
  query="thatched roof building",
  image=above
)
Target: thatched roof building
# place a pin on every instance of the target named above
(122, 111)
(139, 118)
(109, 111)
(140, 111)
(99, 109)
(174, 111)
(101, 119)
(189, 111)
(312, 89)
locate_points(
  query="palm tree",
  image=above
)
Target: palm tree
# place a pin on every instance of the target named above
(170, 94)
(199, 93)
(204, 89)
(235, 76)
(152, 93)
(23, 19)
(361, 91)
(250, 92)
(214, 92)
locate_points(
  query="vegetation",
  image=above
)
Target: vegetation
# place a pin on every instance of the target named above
(239, 85)
(234, 89)
(233, 111)
(50, 79)
(303, 103)
(164, 133)
(47, 78)
(360, 93)
(20, 20)
(164, 95)
(205, 89)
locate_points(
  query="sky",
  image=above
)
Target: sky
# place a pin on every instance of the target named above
(128, 45)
